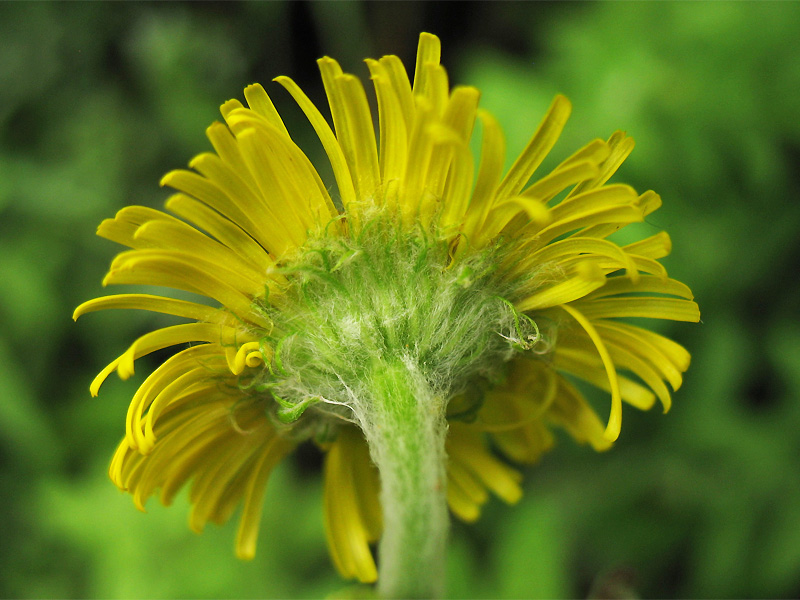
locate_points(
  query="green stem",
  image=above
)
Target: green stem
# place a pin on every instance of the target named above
(405, 427)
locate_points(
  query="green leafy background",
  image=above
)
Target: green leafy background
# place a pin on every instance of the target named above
(98, 100)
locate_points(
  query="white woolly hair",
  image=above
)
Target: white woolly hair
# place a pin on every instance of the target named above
(394, 296)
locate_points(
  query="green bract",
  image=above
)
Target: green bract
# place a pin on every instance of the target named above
(388, 295)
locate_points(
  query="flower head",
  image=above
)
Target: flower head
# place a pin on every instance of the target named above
(477, 295)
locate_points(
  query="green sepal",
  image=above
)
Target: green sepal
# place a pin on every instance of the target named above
(291, 412)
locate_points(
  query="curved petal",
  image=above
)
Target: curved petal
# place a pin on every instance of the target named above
(348, 531)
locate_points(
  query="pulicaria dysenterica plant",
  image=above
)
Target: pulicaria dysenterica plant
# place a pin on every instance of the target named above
(428, 313)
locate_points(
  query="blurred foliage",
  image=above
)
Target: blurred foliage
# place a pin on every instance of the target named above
(97, 100)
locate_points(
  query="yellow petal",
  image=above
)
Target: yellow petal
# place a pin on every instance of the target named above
(156, 340)
(259, 101)
(220, 468)
(213, 453)
(173, 368)
(571, 411)
(504, 211)
(457, 184)
(361, 134)
(422, 141)
(655, 247)
(180, 272)
(548, 187)
(159, 304)
(585, 281)
(348, 537)
(396, 72)
(367, 485)
(461, 505)
(654, 308)
(641, 264)
(467, 447)
(229, 106)
(282, 210)
(429, 52)
(185, 239)
(565, 251)
(645, 284)
(184, 448)
(537, 149)
(123, 226)
(605, 197)
(629, 339)
(525, 444)
(289, 173)
(210, 193)
(676, 353)
(489, 172)
(333, 149)
(247, 534)
(621, 146)
(615, 215)
(227, 148)
(584, 363)
(435, 89)
(649, 202)
(596, 152)
(615, 419)
(351, 120)
(631, 361)
(393, 129)
(225, 231)
(242, 357)
(178, 382)
(460, 475)
(141, 474)
(461, 111)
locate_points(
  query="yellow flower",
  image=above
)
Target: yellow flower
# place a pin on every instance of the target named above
(495, 291)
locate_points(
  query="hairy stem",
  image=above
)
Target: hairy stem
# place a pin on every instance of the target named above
(405, 428)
